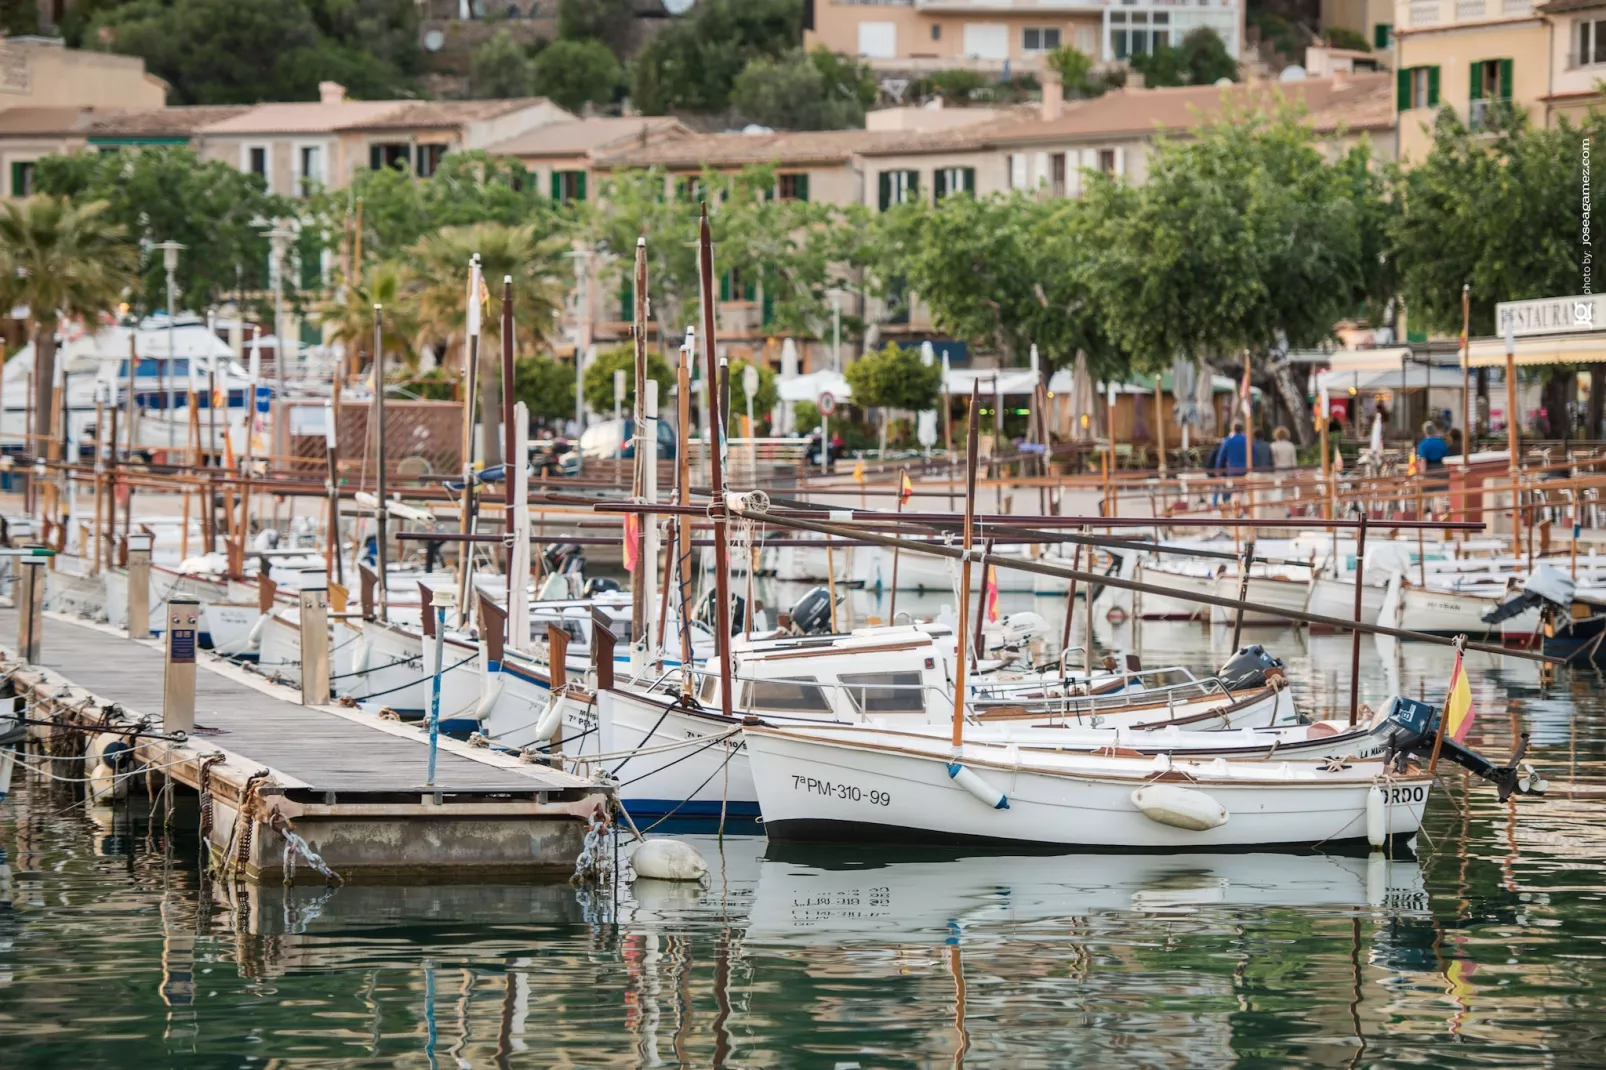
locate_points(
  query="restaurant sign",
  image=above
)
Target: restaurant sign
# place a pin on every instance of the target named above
(1550, 315)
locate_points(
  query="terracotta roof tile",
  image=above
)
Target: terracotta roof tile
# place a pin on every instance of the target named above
(443, 113)
(588, 135)
(165, 122)
(43, 121)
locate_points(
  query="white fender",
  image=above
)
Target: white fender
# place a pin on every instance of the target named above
(488, 696)
(668, 860)
(1377, 879)
(1183, 808)
(8, 762)
(551, 717)
(360, 653)
(977, 786)
(253, 641)
(1377, 817)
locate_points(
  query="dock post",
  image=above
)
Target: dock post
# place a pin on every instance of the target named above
(30, 601)
(139, 586)
(178, 673)
(314, 637)
(440, 602)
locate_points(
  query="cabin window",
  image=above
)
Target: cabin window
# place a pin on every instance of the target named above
(885, 692)
(800, 694)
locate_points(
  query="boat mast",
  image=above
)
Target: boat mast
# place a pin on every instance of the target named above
(714, 439)
(971, 449)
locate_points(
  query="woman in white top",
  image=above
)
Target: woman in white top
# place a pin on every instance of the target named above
(1284, 459)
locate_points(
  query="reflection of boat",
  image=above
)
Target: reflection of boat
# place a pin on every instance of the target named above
(929, 900)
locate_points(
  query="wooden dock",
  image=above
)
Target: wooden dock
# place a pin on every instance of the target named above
(351, 785)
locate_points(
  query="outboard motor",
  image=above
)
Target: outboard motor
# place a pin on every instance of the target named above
(1019, 629)
(562, 557)
(705, 613)
(811, 615)
(1251, 667)
(1414, 729)
(599, 585)
(1547, 584)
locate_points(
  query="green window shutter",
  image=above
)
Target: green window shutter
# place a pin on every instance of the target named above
(376, 158)
(18, 174)
(1381, 35)
(769, 307)
(557, 185)
(750, 291)
(1505, 79)
(627, 300)
(969, 175)
(801, 187)
(725, 286)
(1433, 87)
(580, 177)
(884, 189)
(1475, 85)
(913, 187)
(939, 184)
(1402, 90)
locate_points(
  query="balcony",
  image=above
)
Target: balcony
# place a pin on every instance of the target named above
(1425, 12)
(1470, 9)
(1517, 7)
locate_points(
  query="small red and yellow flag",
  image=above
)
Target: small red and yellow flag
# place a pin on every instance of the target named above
(632, 550)
(858, 472)
(1458, 711)
(906, 488)
(992, 593)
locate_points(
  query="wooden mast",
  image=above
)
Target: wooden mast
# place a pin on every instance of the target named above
(960, 657)
(714, 436)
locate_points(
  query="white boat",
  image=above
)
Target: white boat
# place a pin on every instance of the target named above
(1336, 598)
(1277, 592)
(848, 783)
(1451, 613)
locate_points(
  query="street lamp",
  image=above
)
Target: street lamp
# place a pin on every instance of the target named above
(170, 251)
(836, 295)
(278, 242)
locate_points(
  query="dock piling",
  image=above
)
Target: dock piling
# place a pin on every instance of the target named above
(314, 598)
(30, 599)
(139, 586)
(178, 673)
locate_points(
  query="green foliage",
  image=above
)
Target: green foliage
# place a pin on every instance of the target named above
(764, 400)
(168, 194)
(604, 20)
(1498, 210)
(576, 73)
(1076, 73)
(245, 51)
(805, 416)
(1244, 236)
(599, 378)
(60, 258)
(1201, 59)
(500, 68)
(692, 65)
(894, 378)
(1344, 37)
(1288, 38)
(546, 386)
(437, 384)
(799, 91)
(469, 188)
(19, 17)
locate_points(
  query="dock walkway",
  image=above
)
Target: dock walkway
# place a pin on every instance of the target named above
(353, 786)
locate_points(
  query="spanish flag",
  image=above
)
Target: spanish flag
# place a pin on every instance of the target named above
(906, 487)
(632, 550)
(992, 593)
(1458, 711)
(858, 472)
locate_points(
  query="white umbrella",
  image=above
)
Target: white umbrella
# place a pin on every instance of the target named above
(928, 353)
(788, 372)
(1184, 409)
(1083, 401)
(1204, 399)
(1377, 434)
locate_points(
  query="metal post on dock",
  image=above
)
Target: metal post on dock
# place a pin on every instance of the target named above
(440, 601)
(139, 586)
(30, 602)
(314, 598)
(178, 673)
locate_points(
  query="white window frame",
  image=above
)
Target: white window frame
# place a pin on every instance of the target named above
(1595, 56)
(298, 159)
(1042, 33)
(886, 48)
(1018, 179)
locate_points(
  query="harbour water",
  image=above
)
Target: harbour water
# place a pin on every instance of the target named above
(1488, 948)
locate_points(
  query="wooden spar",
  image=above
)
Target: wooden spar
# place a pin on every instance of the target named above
(1159, 423)
(100, 468)
(638, 330)
(1329, 491)
(1513, 443)
(683, 557)
(1355, 644)
(1070, 610)
(1243, 592)
(663, 601)
(1466, 376)
(1042, 568)
(339, 559)
(509, 437)
(1249, 438)
(715, 436)
(981, 603)
(381, 580)
(465, 517)
(972, 431)
(892, 608)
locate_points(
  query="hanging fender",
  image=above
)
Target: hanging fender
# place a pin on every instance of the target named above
(978, 787)
(254, 640)
(1183, 808)
(551, 717)
(1377, 817)
(491, 692)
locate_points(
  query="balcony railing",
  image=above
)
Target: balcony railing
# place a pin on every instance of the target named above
(1469, 9)
(1517, 7)
(1424, 12)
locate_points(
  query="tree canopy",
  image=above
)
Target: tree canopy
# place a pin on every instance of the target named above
(575, 73)
(1201, 59)
(804, 91)
(599, 379)
(692, 65)
(894, 378)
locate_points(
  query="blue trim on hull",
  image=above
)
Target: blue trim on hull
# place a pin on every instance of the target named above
(659, 807)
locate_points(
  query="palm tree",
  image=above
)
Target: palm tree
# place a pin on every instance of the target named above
(61, 260)
(350, 318)
(439, 263)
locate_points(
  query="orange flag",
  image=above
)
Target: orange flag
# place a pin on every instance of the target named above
(906, 487)
(632, 530)
(992, 593)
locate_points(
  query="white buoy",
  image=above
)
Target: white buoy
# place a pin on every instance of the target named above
(254, 640)
(1377, 818)
(668, 860)
(550, 717)
(978, 787)
(1183, 808)
(359, 655)
(493, 691)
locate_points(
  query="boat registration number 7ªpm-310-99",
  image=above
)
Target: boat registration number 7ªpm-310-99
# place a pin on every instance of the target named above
(845, 792)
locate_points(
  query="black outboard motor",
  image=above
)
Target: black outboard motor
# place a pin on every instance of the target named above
(1414, 729)
(1249, 668)
(599, 585)
(562, 557)
(706, 615)
(811, 615)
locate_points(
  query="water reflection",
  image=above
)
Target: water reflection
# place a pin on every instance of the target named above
(1485, 949)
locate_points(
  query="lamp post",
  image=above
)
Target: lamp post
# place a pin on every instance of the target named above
(170, 251)
(836, 328)
(278, 242)
(582, 340)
